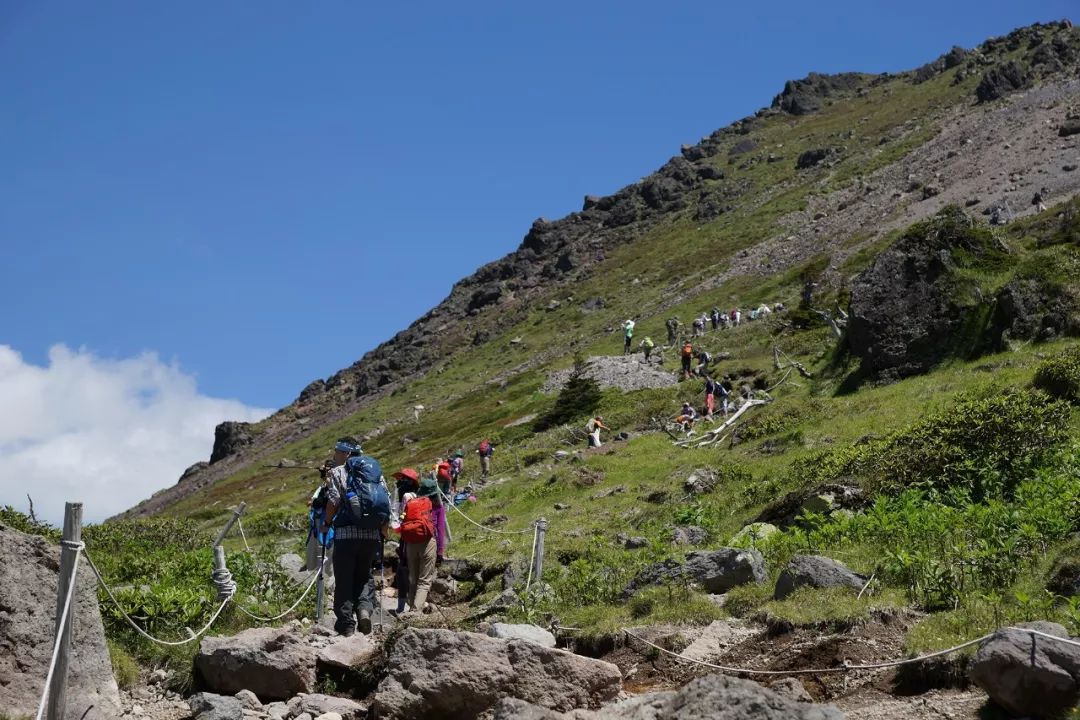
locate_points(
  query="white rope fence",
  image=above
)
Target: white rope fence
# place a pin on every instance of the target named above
(448, 499)
(847, 667)
(311, 583)
(78, 547)
(148, 636)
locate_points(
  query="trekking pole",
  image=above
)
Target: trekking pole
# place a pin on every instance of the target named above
(319, 587)
(382, 589)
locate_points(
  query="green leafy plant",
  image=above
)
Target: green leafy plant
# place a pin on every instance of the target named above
(1059, 375)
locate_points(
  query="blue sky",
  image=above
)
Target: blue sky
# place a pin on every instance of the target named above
(260, 192)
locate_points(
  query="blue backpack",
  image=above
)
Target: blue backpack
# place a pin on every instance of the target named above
(366, 503)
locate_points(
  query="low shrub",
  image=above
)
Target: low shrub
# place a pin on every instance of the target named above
(1059, 376)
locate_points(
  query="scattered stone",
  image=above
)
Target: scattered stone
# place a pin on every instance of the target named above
(1069, 127)
(792, 688)
(972, 202)
(528, 633)
(249, 700)
(485, 671)
(317, 704)
(717, 571)
(929, 191)
(562, 506)
(753, 533)
(1069, 168)
(208, 706)
(818, 572)
(700, 482)
(274, 663)
(658, 497)
(28, 582)
(329, 716)
(636, 542)
(444, 587)
(277, 710)
(689, 535)
(609, 492)
(1029, 675)
(810, 158)
(625, 372)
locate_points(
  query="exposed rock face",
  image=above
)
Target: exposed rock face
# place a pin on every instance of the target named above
(28, 580)
(486, 670)
(905, 317)
(802, 97)
(1030, 308)
(1001, 80)
(714, 697)
(229, 438)
(1027, 675)
(273, 663)
(815, 571)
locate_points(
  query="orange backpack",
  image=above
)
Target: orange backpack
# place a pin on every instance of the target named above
(417, 526)
(688, 350)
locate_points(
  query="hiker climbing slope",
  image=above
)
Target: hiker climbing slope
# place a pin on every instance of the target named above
(647, 346)
(593, 428)
(672, 325)
(628, 335)
(485, 450)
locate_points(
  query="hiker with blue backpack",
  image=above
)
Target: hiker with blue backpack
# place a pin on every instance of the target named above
(358, 506)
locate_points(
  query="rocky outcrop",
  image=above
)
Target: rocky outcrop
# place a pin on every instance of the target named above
(806, 96)
(1030, 307)
(28, 581)
(273, 663)
(1001, 80)
(906, 313)
(229, 438)
(715, 571)
(1027, 675)
(714, 697)
(625, 372)
(817, 572)
(486, 670)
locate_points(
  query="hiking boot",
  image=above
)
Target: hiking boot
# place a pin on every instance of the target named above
(345, 630)
(364, 623)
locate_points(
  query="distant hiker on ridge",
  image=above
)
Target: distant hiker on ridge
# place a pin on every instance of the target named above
(687, 356)
(593, 427)
(699, 326)
(714, 316)
(485, 451)
(672, 325)
(646, 346)
(628, 335)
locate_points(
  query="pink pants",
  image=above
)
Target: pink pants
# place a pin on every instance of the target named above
(438, 516)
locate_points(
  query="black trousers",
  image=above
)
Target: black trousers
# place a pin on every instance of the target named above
(354, 584)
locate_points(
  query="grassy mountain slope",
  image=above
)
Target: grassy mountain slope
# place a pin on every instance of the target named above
(952, 465)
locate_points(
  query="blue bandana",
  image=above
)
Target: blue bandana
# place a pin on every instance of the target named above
(346, 447)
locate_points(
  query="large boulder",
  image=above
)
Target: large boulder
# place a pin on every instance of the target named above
(909, 310)
(714, 697)
(274, 663)
(28, 581)
(717, 571)
(815, 571)
(1001, 80)
(485, 670)
(1029, 675)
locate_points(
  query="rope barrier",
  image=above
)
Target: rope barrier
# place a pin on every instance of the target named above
(135, 626)
(78, 547)
(846, 667)
(447, 498)
(314, 578)
(240, 525)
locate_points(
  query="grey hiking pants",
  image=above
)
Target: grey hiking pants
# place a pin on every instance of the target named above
(352, 570)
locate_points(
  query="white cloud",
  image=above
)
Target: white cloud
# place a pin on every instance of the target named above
(104, 432)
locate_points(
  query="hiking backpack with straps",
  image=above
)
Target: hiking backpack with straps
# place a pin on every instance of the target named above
(417, 526)
(366, 503)
(485, 447)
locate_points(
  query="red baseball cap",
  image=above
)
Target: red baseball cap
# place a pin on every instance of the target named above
(407, 473)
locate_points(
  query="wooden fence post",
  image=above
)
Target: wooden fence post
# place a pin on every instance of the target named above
(72, 534)
(538, 562)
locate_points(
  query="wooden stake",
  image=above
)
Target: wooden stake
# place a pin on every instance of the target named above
(72, 534)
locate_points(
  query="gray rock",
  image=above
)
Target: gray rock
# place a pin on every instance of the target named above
(717, 571)
(700, 482)
(1029, 675)
(276, 710)
(445, 588)
(293, 565)
(792, 688)
(317, 704)
(815, 571)
(347, 652)
(714, 697)
(689, 535)
(28, 581)
(485, 671)
(753, 533)
(229, 438)
(1002, 80)
(273, 663)
(528, 633)
(249, 700)
(635, 543)
(329, 716)
(208, 706)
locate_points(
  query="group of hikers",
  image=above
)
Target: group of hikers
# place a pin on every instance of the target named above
(718, 318)
(353, 513)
